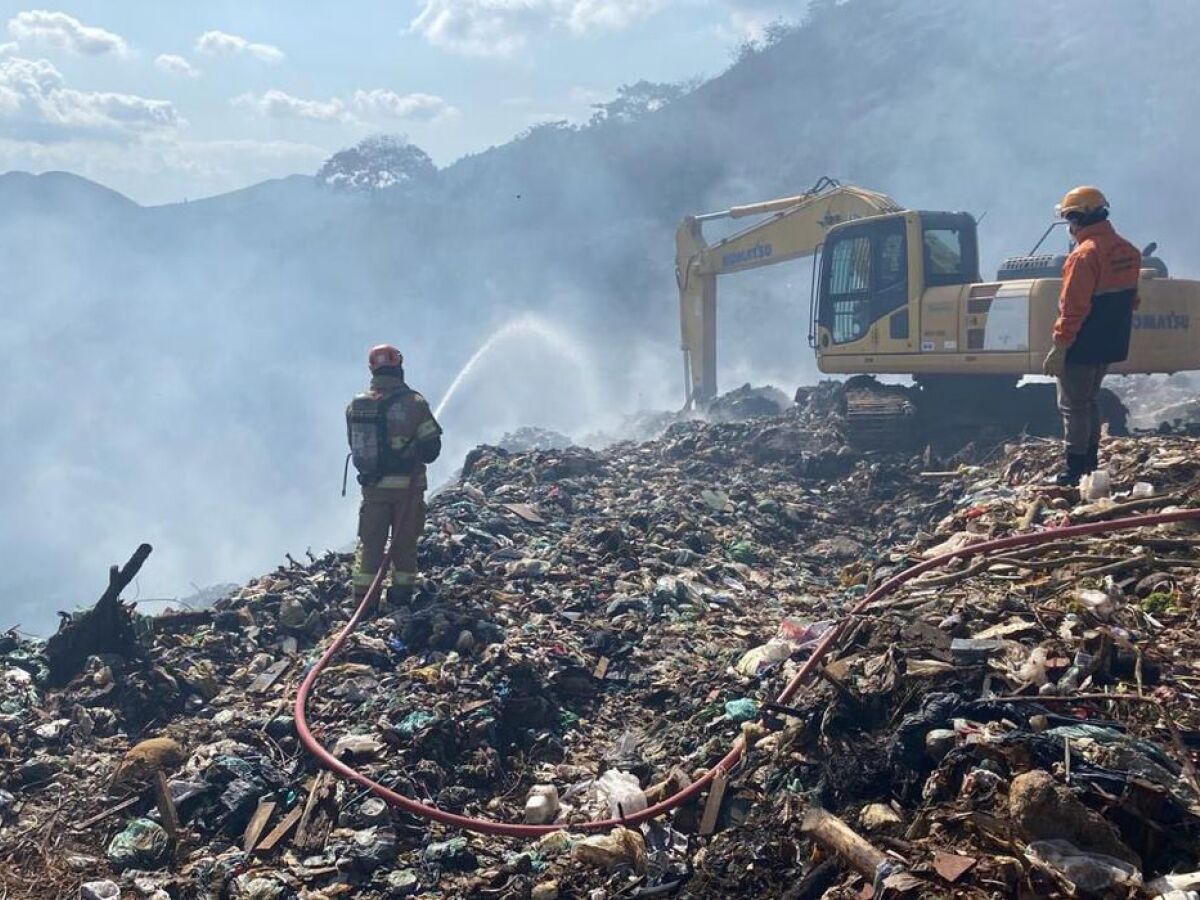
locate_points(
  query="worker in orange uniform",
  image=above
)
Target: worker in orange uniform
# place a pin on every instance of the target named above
(393, 436)
(1094, 325)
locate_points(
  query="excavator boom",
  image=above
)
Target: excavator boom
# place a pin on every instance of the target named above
(796, 228)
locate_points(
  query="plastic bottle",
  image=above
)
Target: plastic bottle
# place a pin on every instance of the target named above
(1094, 873)
(1080, 669)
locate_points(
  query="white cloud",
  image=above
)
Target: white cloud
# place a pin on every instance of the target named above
(6, 49)
(500, 28)
(37, 106)
(65, 32)
(360, 108)
(277, 104)
(384, 104)
(220, 43)
(172, 64)
(609, 15)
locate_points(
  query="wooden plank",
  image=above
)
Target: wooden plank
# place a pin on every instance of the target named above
(111, 811)
(601, 669)
(258, 822)
(317, 820)
(712, 808)
(280, 831)
(833, 834)
(166, 806)
(267, 678)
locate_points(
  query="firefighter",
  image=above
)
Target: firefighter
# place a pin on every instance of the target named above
(1094, 324)
(393, 436)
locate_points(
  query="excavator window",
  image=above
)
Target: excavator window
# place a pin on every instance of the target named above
(865, 278)
(951, 255)
(850, 288)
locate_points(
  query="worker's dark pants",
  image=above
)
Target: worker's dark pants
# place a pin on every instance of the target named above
(399, 512)
(1078, 401)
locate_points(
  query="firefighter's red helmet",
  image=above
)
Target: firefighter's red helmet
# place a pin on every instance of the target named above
(384, 356)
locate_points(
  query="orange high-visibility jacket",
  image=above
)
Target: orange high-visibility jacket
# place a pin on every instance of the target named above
(1099, 294)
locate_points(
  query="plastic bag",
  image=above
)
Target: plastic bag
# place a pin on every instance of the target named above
(761, 658)
(622, 793)
(1033, 671)
(99, 890)
(1098, 603)
(1095, 485)
(620, 847)
(372, 847)
(742, 709)
(801, 634)
(142, 845)
(1092, 872)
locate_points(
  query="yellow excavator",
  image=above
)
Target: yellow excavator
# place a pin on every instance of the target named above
(898, 292)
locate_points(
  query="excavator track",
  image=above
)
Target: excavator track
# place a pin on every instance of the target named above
(879, 417)
(947, 414)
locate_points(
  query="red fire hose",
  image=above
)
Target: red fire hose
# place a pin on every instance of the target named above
(485, 826)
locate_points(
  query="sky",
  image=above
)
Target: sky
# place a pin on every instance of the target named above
(165, 102)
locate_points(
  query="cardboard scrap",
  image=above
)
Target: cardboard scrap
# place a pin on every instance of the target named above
(524, 511)
(951, 866)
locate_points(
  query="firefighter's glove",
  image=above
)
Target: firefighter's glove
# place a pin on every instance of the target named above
(1056, 359)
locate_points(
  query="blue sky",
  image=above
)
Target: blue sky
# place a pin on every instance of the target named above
(167, 101)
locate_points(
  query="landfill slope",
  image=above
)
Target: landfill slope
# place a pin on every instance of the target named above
(596, 629)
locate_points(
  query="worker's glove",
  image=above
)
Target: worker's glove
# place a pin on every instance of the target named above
(1056, 359)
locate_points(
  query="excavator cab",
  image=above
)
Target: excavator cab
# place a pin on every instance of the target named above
(873, 275)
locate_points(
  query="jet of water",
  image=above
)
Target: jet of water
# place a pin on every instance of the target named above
(524, 328)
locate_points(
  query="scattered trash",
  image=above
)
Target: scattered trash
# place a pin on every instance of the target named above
(620, 848)
(1095, 485)
(620, 793)
(99, 890)
(142, 845)
(741, 710)
(594, 630)
(1094, 873)
(541, 806)
(454, 855)
(1141, 490)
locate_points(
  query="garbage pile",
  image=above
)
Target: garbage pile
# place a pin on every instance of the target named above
(596, 629)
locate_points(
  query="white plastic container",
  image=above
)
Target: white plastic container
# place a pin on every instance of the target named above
(1141, 490)
(1095, 485)
(622, 793)
(541, 806)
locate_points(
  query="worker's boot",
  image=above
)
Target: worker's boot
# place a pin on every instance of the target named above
(1092, 459)
(1076, 469)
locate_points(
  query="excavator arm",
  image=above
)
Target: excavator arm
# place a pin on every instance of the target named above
(796, 228)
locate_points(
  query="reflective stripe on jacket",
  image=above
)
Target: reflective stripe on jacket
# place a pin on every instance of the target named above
(1099, 294)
